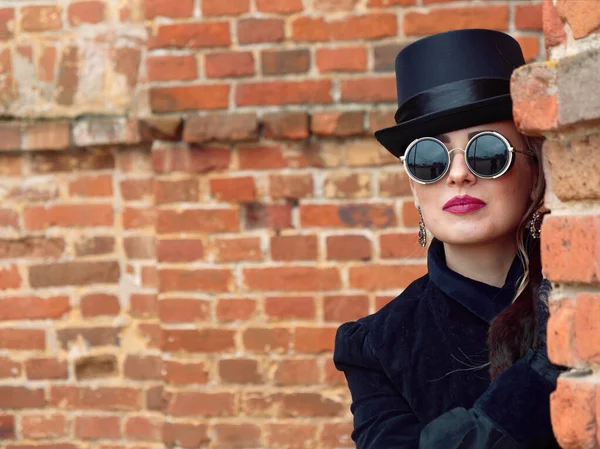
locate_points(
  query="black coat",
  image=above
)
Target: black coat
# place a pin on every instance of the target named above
(417, 370)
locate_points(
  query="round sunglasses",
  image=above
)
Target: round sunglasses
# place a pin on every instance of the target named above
(488, 155)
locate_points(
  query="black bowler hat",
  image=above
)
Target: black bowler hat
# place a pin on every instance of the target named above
(449, 81)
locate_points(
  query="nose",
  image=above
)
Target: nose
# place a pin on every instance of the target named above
(459, 173)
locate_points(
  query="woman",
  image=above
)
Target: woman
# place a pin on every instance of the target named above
(459, 359)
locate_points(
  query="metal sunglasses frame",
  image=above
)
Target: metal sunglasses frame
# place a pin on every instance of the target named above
(511, 150)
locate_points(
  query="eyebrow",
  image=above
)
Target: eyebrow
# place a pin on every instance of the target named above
(446, 139)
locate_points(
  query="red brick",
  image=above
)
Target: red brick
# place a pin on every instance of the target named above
(561, 333)
(236, 309)
(214, 280)
(333, 6)
(528, 17)
(38, 369)
(394, 184)
(41, 18)
(21, 397)
(7, 17)
(143, 368)
(294, 247)
(345, 59)
(268, 340)
(174, 158)
(338, 123)
(127, 63)
(142, 428)
(185, 373)
(261, 157)
(237, 435)
(238, 249)
(280, 6)
(143, 306)
(369, 215)
(391, 3)
(44, 426)
(54, 135)
(202, 341)
(256, 31)
(410, 214)
(283, 62)
(185, 435)
(291, 186)
(331, 375)
(530, 46)
(347, 185)
(292, 405)
(587, 335)
(22, 339)
(9, 218)
(97, 427)
(297, 372)
(139, 217)
(10, 133)
(573, 410)
(105, 398)
(384, 277)
(74, 273)
(270, 216)
(137, 189)
(446, 19)
(33, 307)
(167, 128)
(91, 186)
(179, 191)
(569, 248)
(276, 93)
(182, 310)
(167, 8)
(336, 434)
(221, 8)
(400, 245)
(9, 368)
(348, 247)
(239, 371)
(185, 98)
(345, 308)
(554, 31)
(292, 278)
(238, 189)
(368, 26)
(92, 336)
(99, 304)
(286, 125)
(369, 90)
(290, 308)
(229, 64)
(314, 340)
(221, 127)
(191, 35)
(180, 250)
(68, 215)
(96, 367)
(32, 247)
(201, 220)
(171, 68)
(86, 12)
(9, 277)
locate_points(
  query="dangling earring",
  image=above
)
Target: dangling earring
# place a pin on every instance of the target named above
(422, 231)
(534, 227)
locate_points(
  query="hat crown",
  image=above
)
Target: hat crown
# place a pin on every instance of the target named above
(455, 56)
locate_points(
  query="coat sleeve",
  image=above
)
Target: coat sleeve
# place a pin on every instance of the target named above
(513, 413)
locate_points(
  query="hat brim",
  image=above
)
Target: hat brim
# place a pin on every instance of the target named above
(396, 138)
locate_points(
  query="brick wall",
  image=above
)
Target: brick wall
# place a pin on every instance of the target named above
(560, 99)
(192, 203)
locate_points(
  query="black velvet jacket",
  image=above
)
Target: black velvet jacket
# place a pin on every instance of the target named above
(417, 370)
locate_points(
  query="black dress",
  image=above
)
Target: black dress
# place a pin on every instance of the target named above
(418, 375)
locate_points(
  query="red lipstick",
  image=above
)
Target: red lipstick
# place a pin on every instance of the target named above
(463, 205)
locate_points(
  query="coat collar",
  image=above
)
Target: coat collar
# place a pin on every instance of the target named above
(484, 300)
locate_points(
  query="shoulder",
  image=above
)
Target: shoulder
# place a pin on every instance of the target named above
(361, 340)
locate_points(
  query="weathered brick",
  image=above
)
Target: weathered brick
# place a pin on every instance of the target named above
(47, 368)
(213, 280)
(105, 131)
(185, 372)
(276, 93)
(94, 245)
(296, 372)
(86, 12)
(238, 249)
(21, 397)
(97, 427)
(283, 62)
(33, 307)
(74, 273)
(220, 8)
(166, 8)
(92, 336)
(201, 220)
(270, 216)
(554, 31)
(291, 186)
(369, 90)
(235, 309)
(338, 123)
(22, 339)
(400, 245)
(96, 367)
(369, 215)
(391, 3)
(280, 6)
(221, 127)
(290, 308)
(582, 17)
(344, 59)
(182, 310)
(41, 18)
(294, 247)
(348, 247)
(384, 277)
(286, 125)
(343, 185)
(345, 308)
(179, 250)
(91, 186)
(177, 191)
(528, 17)
(160, 128)
(68, 215)
(44, 426)
(127, 63)
(10, 278)
(263, 340)
(202, 341)
(101, 398)
(239, 371)
(385, 56)
(185, 435)
(7, 17)
(368, 26)
(99, 304)
(291, 278)
(54, 135)
(10, 133)
(184, 158)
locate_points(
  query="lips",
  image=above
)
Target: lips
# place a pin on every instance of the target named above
(463, 204)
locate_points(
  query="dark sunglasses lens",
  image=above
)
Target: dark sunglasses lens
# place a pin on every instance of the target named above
(487, 155)
(427, 160)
